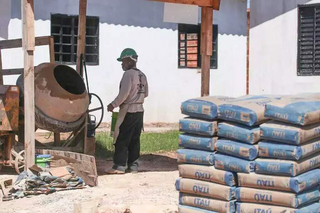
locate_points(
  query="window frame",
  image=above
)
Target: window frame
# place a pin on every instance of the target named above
(183, 28)
(315, 35)
(74, 35)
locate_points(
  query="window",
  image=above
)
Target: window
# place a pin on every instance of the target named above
(189, 46)
(64, 29)
(309, 40)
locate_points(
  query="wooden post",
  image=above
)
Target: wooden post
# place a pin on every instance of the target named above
(81, 31)
(1, 74)
(206, 48)
(28, 44)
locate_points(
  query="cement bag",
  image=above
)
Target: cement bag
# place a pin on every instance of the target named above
(241, 150)
(297, 184)
(286, 168)
(233, 164)
(195, 157)
(204, 107)
(248, 110)
(196, 142)
(207, 189)
(207, 203)
(288, 152)
(277, 198)
(259, 208)
(189, 209)
(239, 132)
(296, 110)
(207, 173)
(290, 134)
(199, 127)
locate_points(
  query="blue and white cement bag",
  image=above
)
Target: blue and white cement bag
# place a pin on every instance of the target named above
(277, 198)
(207, 203)
(296, 184)
(288, 152)
(295, 110)
(199, 127)
(195, 157)
(247, 110)
(259, 208)
(288, 133)
(207, 173)
(285, 167)
(206, 189)
(233, 164)
(197, 142)
(204, 107)
(190, 209)
(239, 132)
(233, 148)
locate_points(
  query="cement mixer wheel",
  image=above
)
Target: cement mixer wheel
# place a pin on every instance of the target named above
(19, 162)
(97, 109)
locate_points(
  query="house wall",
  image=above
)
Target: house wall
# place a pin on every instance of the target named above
(273, 49)
(139, 24)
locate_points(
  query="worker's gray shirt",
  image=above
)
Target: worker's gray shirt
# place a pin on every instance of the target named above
(133, 91)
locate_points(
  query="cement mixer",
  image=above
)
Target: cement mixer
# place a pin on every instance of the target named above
(61, 98)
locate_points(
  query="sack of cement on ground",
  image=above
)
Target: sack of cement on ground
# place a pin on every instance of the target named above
(247, 110)
(275, 150)
(233, 164)
(190, 209)
(197, 142)
(295, 110)
(249, 135)
(286, 167)
(260, 208)
(195, 157)
(262, 196)
(237, 149)
(204, 107)
(199, 127)
(289, 133)
(207, 173)
(207, 203)
(206, 189)
(296, 184)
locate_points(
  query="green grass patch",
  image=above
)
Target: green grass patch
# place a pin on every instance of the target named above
(150, 143)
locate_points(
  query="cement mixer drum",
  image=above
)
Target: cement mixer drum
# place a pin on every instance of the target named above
(61, 99)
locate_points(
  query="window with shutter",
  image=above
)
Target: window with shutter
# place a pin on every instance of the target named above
(64, 29)
(309, 40)
(189, 46)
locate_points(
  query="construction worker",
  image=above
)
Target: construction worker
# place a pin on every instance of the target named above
(133, 91)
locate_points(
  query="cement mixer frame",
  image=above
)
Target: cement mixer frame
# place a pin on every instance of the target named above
(13, 155)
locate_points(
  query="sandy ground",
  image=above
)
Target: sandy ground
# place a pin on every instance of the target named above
(150, 191)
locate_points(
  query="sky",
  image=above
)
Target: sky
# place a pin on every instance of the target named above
(248, 1)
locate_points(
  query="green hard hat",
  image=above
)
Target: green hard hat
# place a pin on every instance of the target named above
(127, 53)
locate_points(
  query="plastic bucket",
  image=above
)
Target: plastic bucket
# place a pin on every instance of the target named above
(43, 160)
(114, 119)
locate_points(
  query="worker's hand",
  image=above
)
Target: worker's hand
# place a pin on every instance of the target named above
(110, 108)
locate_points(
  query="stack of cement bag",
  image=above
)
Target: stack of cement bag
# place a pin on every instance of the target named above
(239, 133)
(287, 171)
(202, 187)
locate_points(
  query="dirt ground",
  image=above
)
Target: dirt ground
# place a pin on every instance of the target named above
(150, 191)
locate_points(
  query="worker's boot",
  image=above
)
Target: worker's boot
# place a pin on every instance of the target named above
(114, 172)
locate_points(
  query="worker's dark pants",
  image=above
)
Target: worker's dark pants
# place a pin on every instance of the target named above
(127, 148)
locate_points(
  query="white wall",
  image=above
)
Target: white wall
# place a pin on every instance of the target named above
(138, 24)
(273, 49)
